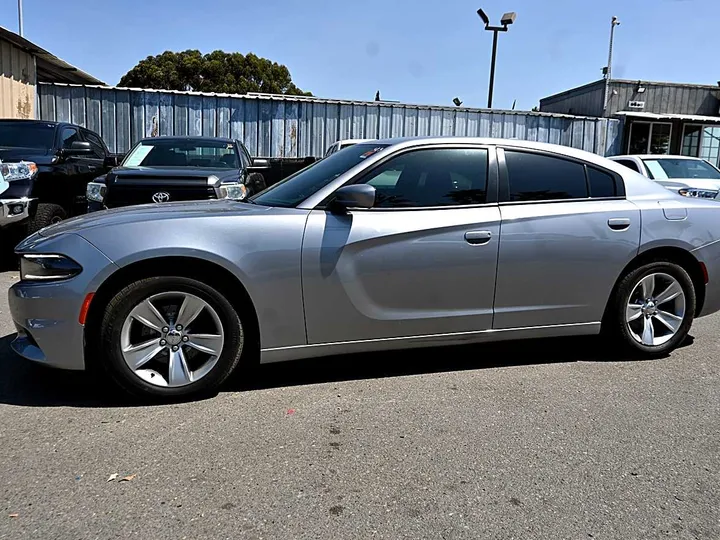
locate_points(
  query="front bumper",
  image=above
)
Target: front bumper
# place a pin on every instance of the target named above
(14, 211)
(46, 313)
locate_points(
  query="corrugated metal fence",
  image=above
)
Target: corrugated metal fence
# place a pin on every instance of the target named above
(289, 126)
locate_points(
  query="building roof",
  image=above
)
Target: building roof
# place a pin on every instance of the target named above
(50, 68)
(601, 82)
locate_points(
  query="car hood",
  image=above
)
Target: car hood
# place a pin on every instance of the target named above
(173, 172)
(679, 183)
(40, 156)
(152, 213)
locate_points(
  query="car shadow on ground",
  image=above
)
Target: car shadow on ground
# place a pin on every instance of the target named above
(26, 384)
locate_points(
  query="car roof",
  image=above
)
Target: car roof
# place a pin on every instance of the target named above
(32, 121)
(654, 156)
(188, 139)
(355, 141)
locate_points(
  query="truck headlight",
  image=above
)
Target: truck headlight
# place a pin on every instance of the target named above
(23, 170)
(95, 191)
(699, 193)
(235, 191)
(47, 267)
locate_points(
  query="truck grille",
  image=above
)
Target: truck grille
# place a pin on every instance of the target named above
(127, 195)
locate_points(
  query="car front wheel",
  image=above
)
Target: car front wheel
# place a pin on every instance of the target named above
(654, 308)
(171, 337)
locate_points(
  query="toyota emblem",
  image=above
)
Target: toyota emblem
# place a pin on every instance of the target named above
(161, 196)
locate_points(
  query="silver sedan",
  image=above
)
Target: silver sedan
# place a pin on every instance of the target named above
(383, 245)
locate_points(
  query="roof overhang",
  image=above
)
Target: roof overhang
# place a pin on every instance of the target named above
(669, 116)
(50, 68)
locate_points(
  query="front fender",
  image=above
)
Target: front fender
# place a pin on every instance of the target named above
(262, 251)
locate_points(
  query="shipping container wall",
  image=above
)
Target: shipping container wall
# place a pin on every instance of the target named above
(17, 82)
(279, 126)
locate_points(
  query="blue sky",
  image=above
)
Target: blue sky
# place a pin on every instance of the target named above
(414, 51)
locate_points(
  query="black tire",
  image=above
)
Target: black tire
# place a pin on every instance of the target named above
(119, 308)
(46, 214)
(615, 325)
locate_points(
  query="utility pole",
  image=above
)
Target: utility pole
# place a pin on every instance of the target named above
(608, 70)
(20, 17)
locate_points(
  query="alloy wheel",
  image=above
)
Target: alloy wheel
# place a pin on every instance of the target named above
(172, 339)
(655, 310)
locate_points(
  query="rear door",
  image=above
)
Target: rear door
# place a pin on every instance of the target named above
(421, 262)
(567, 233)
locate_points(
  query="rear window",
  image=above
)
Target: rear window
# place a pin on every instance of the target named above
(537, 177)
(27, 135)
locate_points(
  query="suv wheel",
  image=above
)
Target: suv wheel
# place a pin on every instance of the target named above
(171, 337)
(46, 214)
(654, 308)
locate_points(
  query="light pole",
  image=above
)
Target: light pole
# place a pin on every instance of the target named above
(506, 20)
(20, 21)
(608, 70)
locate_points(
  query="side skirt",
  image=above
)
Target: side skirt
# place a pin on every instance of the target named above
(297, 352)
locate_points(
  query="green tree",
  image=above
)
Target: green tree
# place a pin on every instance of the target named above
(218, 71)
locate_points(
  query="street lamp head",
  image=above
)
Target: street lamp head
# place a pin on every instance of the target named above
(508, 18)
(483, 16)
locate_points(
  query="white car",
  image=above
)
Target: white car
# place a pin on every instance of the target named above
(339, 145)
(688, 176)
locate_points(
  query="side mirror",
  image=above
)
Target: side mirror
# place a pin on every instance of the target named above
(261, 162)
(78, 148)
(112, 161)
(355, 196)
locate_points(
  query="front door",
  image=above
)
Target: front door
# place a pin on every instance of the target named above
(422, 262)
(567, 235)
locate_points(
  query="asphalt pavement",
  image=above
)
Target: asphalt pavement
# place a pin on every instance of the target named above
(543, 439)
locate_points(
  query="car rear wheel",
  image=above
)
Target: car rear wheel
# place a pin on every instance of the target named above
(171, 337)
(654, 308)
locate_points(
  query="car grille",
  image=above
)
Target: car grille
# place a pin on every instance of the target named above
(127, 195)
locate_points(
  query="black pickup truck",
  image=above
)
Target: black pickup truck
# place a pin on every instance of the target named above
(46, 167)
(166, 169)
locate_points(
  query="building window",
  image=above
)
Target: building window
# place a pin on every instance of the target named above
(691, 141)
(702, 142)
(649, 138)
(710, 144)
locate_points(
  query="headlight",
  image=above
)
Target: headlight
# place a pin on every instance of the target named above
(700, 193)
(235, 191)
(24, 170)
(47, 267)
(95, 191)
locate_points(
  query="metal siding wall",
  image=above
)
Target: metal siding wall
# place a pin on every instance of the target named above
(284, 127)
(18, 98)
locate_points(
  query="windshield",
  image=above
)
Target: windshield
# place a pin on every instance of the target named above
(296, 188)
(27, 135)
(662, 169)
(183, 153)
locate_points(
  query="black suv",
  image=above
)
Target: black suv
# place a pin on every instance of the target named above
(46, 167)
(167, 169)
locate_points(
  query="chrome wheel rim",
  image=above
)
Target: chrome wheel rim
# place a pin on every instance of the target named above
(172, 339)
(655, 309)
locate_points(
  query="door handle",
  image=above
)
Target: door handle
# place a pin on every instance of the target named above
(478, 238)
(619, 224)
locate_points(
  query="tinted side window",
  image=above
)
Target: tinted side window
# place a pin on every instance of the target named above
(439, 177)
(601, 184)
(96, 143)
(629, 164)
(68, 136)
(537, 177)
